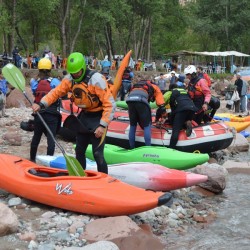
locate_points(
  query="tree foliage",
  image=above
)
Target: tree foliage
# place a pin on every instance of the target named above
(112, 27)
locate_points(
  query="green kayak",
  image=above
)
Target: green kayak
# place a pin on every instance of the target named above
(167, 157)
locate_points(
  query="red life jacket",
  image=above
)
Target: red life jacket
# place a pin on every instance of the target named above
(207, 78)
(43, 89)
(194, 90)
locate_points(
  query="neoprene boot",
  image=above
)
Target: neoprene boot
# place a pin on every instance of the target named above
(33, 152)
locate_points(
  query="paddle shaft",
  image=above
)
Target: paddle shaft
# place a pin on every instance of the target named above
(46, 126)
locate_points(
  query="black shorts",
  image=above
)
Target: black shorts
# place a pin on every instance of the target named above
(139, 112)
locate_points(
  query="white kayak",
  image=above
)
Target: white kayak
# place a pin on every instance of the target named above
(140, 174)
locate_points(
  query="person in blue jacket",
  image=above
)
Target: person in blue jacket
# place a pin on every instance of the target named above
(127, 77)
(51, 115)
(3, 93)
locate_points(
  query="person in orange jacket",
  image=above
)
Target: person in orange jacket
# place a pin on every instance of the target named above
(90, 92)
(142, 92)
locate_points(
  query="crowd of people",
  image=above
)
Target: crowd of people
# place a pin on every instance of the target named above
(30, 61)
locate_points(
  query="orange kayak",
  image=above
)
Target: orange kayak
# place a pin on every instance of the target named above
(96, 194)
(119, 74)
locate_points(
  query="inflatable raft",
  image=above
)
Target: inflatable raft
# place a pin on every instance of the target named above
(204, 138)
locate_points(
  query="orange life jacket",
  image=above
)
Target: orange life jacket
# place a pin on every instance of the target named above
(81, 95)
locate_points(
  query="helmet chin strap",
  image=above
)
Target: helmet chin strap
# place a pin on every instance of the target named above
(193, 75)
(79, 79)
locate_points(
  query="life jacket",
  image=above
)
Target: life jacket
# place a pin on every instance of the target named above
(194, 91)
(81, 95)
(145, 85)
(43, 89)
(207, 78)
(180, 101)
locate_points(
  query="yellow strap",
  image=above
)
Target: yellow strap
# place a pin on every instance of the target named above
(197, 151)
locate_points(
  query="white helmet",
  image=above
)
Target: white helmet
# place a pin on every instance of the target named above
(190, 69)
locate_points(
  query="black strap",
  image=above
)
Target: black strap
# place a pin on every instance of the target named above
(89, 73)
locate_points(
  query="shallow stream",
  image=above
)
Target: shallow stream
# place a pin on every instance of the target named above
(230, 230)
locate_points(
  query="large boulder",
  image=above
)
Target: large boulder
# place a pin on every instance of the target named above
(240, 143)
(13, 138)
(8, 220)
(16, 99)
(217, 177)
(124, 232)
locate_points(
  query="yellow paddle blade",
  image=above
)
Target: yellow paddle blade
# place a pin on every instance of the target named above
(103, 136)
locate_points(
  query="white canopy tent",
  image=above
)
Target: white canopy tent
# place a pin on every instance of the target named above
(222, 53)
(215, 54)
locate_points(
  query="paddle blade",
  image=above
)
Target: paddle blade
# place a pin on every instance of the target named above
(14, 76)
(103, 136)
(74, 167)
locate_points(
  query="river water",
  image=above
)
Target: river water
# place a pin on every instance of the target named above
(230, 230)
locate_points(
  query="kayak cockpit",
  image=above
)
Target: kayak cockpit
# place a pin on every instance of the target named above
(51, 173)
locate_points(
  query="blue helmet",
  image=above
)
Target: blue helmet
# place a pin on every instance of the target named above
(181, 78)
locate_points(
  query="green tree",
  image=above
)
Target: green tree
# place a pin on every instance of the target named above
(225, 21)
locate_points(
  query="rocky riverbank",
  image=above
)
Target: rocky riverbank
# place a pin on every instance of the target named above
(35, 226)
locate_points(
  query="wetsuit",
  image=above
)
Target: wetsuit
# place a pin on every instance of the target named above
(94, 97)
(139, 109)
(50, 115)
(182, 110)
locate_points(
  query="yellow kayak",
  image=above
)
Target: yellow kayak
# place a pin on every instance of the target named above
(239, 126)
(233, 118)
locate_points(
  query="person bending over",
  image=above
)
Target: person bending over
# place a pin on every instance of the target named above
(142, 92)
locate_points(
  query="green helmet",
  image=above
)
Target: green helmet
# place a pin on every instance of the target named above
(75, 63)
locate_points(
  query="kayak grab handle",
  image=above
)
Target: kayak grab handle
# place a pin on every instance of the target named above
(197, 151)
(165, 198)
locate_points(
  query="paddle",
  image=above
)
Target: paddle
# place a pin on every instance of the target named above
(15, 77)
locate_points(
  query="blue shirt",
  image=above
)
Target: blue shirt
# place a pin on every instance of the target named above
(34, 84)
(105, 63)
(3, 86)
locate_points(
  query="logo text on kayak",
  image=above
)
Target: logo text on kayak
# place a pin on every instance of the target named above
(64, 190)
(150, 155)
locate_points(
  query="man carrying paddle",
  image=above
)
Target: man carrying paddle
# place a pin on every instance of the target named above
(91, 93)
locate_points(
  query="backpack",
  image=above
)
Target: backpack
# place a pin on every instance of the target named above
(147, 86)
(43, 89)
